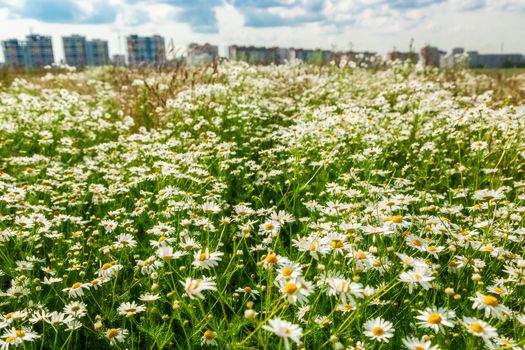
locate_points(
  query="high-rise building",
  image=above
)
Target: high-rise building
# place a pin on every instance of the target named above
(97, 52)
(146, 50)
(75, 50)
(14, 53)
(35, 52)
(39, 50)
(80, 52)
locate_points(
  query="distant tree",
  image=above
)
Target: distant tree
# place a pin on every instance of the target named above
(316, 58)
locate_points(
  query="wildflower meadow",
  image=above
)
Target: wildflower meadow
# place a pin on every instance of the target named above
(261, 207)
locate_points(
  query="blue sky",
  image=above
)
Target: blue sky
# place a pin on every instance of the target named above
(374, 25)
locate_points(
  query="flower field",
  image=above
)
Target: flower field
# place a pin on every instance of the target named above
(261, 208)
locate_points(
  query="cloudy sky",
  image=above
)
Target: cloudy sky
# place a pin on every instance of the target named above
(373, 25)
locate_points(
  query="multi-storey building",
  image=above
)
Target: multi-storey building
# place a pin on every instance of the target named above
(97, 52)
(14, 53)
(39, 51)
(35, 52)
(75, 50)
(80, 52)
(146, 50)
(277, 55)
(477, 60)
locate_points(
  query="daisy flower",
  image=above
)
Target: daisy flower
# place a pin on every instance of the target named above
(125, 240)
(420, 275)
(76, 289)
(204, 259)
(149, 265)
(478, 146)
(346, 307)
(109, 269)
(379, 329)
(16, 336)
(489, 195)
(148, 297)
(286, 330)
(501, 343)
(295, 290)
(269, 228)
(436, 318)
(248, 291)
(491, 306)
(345, 288)
(419, 344)
(58, 318)
(479, 328)
(315, 246)
(75, 309)
(208, 338)
(289, 270)
(194, 288)
(116, 335)
(130, 309)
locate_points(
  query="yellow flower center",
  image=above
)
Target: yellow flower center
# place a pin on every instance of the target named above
(202, 256)
(9, 339)
(490, 300)
(378, 331)
(247, 289)
(432, 248)
(76, 285)
(268, 227)
(287, 271)
(106, 266)
(208, 335)
(20, 333)
(416, 242)
(499, 290)
(434, 318)
(419, 347)
(337, 243)
(271, 259)
(290, 288)
(397, 219)
(112, 333)
(477, 328)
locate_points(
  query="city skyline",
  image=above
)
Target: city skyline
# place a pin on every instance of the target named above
(375, 25)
